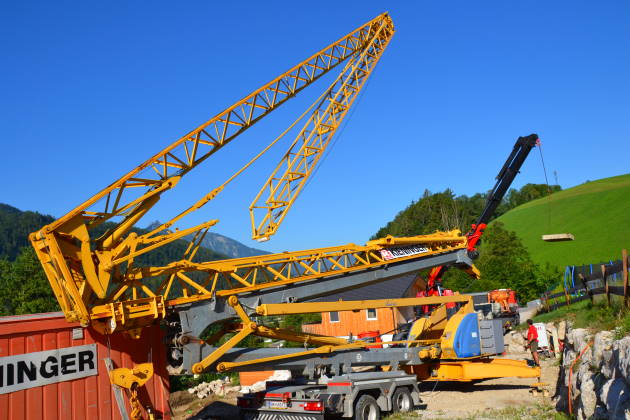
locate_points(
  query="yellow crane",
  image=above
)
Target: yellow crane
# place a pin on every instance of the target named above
(95, 276)
(90, 255)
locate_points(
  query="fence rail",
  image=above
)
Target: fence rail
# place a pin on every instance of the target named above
(604, 280)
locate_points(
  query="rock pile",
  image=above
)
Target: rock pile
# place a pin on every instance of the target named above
(219, 387)
(600, 384)
(223, 387)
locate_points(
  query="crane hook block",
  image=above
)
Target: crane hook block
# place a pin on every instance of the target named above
(132, 378)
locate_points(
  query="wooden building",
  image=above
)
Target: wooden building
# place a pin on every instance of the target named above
(383, 320)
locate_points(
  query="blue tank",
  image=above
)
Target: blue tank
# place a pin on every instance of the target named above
(467, 342)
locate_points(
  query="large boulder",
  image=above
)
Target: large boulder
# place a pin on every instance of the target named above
(621, 349)
(562, 330)
(577, 339)
(602, 351)
(515, 342)
(588, 397)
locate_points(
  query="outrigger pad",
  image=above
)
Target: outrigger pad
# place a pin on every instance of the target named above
(558, 237)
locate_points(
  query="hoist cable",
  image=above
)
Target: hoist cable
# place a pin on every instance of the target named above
(204, 200)
(542, 160)
(336, 139)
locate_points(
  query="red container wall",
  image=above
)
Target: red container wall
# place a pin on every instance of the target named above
(89, 398)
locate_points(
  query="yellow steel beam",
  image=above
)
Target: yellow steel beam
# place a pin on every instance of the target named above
(352, 305)
(187, 152)
(298, 337)
(81, 268)
(224, 366)
(470, 370)
(265, 271)
(309, 145)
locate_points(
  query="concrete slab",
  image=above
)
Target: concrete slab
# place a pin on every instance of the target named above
(557, 237)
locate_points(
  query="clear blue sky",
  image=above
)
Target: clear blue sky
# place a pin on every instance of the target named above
(90, 90)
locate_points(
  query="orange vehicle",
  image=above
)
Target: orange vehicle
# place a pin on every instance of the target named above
(498, 304)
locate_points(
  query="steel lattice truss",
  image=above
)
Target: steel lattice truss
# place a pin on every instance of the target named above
(221, 279)
(315, 136)
(95, 276)
(197, 145)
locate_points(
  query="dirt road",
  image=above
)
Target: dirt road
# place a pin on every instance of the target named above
(440, 401)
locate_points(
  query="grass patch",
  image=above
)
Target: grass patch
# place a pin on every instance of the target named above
(535, 412)
(529, 412)
(595, 317)
(595, 212)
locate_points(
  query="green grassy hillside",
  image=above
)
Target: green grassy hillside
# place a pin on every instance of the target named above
(597, 213)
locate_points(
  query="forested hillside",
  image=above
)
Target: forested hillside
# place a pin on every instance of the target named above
(23, 284)
(446, 211)
(504, 261)
(15, 226)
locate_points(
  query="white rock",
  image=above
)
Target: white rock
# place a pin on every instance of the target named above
(280, 375)
(588, 397)
(562, 330)
(622, 350)
(577, 340)
(602, 343)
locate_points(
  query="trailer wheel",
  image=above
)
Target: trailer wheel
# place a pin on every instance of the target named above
(401, 401)
(366, 408)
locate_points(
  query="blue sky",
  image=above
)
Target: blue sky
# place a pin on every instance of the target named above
(91, 90)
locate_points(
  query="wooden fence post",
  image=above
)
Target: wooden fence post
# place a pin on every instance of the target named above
(547, 300)
(605, 284)
(624, 259)
(588, 292)
(566, 295)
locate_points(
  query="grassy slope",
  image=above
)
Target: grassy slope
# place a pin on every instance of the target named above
(597, 213)
(595, 317)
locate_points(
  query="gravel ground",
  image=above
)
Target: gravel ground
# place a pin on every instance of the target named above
(491, 399)
(452, 400)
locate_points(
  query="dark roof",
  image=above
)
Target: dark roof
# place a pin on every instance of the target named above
(388, 289)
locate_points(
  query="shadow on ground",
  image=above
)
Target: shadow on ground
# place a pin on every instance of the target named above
(467, 386)
(217, 410)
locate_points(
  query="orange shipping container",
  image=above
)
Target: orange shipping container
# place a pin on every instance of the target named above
(54, 370)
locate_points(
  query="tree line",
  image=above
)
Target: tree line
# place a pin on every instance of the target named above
(24, 287)
(504, 260)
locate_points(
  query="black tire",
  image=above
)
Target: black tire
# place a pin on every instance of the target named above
(366, 408)
(402, 401)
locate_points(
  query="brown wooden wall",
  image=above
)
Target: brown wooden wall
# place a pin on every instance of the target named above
(354, 322)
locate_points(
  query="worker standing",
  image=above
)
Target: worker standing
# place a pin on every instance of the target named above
(532, 341)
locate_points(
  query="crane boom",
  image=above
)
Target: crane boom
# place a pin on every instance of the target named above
(504, 178)
(90, 255)
(314, 138)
